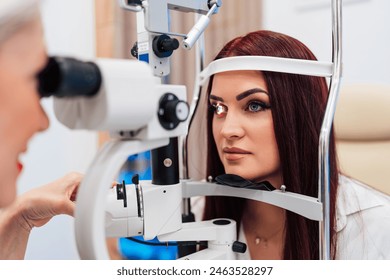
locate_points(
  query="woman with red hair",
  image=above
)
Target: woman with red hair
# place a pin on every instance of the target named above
(265, 126)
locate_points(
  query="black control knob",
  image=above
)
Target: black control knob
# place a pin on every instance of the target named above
(169, 44)
(172, 111)
(239, 247)
(163, 45)
(134, 50)
(121, 193)
(176, 111)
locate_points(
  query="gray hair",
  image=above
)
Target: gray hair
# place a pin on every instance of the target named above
(15, 14)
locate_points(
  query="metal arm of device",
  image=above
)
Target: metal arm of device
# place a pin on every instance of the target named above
(155, 205)
(154, 40)
(156, 20)
(154, 211)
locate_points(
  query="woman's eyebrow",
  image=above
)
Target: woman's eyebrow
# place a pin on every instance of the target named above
(249, 92)
(241, 95)
(215, 97)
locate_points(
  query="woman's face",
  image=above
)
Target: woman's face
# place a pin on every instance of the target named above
(243, 127)
(22, 56)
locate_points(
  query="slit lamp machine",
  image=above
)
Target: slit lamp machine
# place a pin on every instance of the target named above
(99, 95)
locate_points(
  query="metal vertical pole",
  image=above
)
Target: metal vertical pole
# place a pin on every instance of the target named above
(199, 66)
(323, 150)
(187, 215)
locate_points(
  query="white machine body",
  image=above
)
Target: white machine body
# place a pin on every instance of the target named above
(156, 211)
(128, 88)
(123, 221)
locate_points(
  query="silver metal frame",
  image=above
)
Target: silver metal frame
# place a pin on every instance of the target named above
(323, 148)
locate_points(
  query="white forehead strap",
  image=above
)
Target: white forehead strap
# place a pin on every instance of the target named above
(267, 63)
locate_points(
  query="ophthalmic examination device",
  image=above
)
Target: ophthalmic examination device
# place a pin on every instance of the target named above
(127, 98)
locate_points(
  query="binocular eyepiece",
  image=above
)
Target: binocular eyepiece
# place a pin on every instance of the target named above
(69, 77)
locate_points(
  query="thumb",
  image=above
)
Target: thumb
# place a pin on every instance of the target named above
(69, 208)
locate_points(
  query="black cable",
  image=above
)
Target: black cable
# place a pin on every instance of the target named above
(166, 244)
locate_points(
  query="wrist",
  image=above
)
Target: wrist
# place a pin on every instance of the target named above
(14, 232)
(16, 216)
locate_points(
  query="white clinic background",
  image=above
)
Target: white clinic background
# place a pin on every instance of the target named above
(69, 30)
(69, 27)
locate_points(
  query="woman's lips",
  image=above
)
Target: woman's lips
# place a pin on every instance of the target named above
(234, 153)
(19, 166)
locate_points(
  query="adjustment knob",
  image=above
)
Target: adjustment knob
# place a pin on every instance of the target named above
(134, 50)
(163, 45)
(172, 111)
(169, 44)
(239, 247)
(176, 111)
(121, 193)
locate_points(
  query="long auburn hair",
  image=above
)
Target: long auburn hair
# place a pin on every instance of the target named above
(298, 105)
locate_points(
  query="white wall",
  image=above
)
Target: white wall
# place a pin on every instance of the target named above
(366, 33)
(69, 29)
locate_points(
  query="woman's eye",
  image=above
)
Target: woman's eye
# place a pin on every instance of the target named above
(256, 106)
(219, 109)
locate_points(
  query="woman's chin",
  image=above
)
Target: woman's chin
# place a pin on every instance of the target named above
(8, 193)
(240, 172)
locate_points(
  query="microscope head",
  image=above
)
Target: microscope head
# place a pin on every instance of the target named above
(116, 95)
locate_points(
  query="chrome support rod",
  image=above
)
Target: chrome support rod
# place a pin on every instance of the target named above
(323, 149)
(199, 66)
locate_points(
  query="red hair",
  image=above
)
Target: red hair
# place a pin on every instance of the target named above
(298, 105)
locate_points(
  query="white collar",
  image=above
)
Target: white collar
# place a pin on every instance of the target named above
(353, 197)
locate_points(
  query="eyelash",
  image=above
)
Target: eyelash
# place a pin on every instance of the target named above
(214, 107)
(262, 104)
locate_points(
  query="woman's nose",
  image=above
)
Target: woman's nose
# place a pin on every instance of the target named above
(232, 127)
(43, 120)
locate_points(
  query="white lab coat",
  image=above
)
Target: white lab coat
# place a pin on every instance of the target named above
(363, 223)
